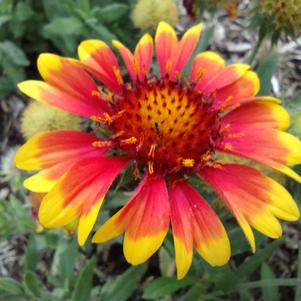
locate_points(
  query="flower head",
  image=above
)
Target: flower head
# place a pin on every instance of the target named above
(146, 14)
(169, 128)
(39, 117)
(286, 14)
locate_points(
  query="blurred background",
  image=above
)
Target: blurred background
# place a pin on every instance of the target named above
(39, 264)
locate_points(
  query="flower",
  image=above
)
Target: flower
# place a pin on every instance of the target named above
(286, 14)
(146, 14)
(169, 128)
(39, 117)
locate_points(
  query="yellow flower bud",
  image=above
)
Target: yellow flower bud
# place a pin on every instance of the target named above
(39, 117)
(148, 13)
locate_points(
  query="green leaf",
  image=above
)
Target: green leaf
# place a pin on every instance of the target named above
(10, 51)
(32, 283)
(166, 262)
(249, 266)
(66, 261)
(31, 255)
(4, 19)
(265, 71)
(269, 283)
(298, 288)
(10, 285)
(194, 293)
(83, 284)
(268, 293)
(112, 12)
(64, 26)
(122, 287)
(165, 285)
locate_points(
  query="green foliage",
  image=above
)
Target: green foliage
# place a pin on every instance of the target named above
(29, 27)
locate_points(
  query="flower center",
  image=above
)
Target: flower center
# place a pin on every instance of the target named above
(166, 125)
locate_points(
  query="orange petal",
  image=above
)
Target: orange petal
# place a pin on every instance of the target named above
(245, 87)
(225, 77)
(47, 149)
(68, 87)
(271, 147)
(79, 194)
(143, 56)
(258, 114)
(192, 217)
(166, 43)
(204, 67)
(254, 198)
(149, 224)
(100, 60)
(181, 220)
(128, 59)
(185, 49)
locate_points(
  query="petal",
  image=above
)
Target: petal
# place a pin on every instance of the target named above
(143, 56)
(128, 59)
(166, 43)
(119, 222)
(100, 60)
(46, 179)
(209, 236)
(258, 114)
(205, 66)
(253, 198)
(149, 224)
(80, 193)
(185, 49)
(270, 147)
(181, 220)
(68, 86)
(246, 86)
(225, 77)
(47, 149)
(144, 219)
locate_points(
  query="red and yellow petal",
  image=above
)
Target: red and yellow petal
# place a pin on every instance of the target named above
(47, 149)
(204, 66)
(166, 43)
(225, 77)
(79, 194)
(144, 219)
(45, 180)
(181, 221)
(245, 87)
(128, 59)
(271, 147)
(253, 198)
(264, 114)
(67, 87)
(100, 60)
(195, 223)
(184, 50)
(143, 56)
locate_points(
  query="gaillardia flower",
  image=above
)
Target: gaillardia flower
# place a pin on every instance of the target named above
(169, 128)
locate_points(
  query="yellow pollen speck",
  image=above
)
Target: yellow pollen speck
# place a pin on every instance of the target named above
(151, 153)
(106, 118)
(228, 146)
(206, 156)
(118, 75)
(168, 66)
(101, 144)
(188, 162)
(95, 93)
(226, 102)
(150, 167)
(131, 140)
